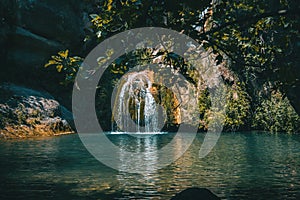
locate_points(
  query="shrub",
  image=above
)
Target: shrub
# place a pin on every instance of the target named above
(276, 115)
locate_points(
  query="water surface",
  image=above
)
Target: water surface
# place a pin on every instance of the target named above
(241, 166)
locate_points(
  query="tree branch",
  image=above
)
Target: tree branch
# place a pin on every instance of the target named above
(248, 19)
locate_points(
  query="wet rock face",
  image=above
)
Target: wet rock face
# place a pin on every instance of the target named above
(167, 99)
(56, 20)
(28, 113)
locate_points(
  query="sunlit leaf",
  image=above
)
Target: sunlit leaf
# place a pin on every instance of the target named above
(57, 58)
(59, 68)
(64, 54)
(51, 62)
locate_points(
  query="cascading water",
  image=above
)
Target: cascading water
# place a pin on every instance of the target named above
(150, 112)
(135, 107)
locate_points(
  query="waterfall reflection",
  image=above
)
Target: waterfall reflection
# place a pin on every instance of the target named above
(146, 150)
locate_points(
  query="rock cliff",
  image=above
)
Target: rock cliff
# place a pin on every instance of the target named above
(27, 113)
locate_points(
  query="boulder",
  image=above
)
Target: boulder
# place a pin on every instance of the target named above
(195, 194)
(25, 112)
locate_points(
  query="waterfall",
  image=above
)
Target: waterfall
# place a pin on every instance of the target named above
(150, 113)
(135, 108)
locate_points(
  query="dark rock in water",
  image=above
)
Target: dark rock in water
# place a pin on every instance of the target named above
(27, 113)
(195, 194)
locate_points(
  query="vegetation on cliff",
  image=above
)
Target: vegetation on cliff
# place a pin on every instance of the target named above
(258, 41)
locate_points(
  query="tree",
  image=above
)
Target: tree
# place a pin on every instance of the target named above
(259, 38)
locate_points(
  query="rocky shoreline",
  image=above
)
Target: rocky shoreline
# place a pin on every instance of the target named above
(27, 113)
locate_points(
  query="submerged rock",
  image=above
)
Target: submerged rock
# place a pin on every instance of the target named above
(195, 194)
(27, 113)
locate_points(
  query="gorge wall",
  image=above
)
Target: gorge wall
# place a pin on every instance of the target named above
(31, 31)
